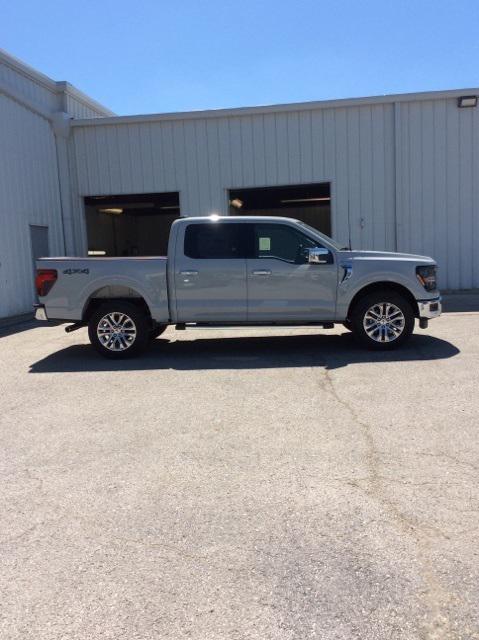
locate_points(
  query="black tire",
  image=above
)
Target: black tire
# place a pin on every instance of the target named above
(157, 330)
(382, 335)
(130, 341)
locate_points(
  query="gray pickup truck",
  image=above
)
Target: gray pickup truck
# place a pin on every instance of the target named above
(240, 271)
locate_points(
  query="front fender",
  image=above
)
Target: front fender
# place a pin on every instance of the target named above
(347, 289)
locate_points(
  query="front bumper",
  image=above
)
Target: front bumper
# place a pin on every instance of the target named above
(40, 312)
(430, 308)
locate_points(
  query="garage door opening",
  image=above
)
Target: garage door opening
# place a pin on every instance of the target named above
(310, 203)
(130, 225)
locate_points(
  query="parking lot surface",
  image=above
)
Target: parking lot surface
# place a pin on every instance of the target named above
(249, 484)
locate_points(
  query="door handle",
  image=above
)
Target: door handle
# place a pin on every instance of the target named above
(189, 273)
(262, 272)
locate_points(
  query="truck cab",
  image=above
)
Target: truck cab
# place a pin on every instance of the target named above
(253, 271)
(241, 271)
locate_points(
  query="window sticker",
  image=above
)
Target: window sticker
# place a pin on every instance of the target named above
(265, 244)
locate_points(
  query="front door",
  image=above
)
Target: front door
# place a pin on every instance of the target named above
(282, 285)
(210, 273)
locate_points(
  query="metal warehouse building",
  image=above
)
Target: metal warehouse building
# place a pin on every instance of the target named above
(392, 172)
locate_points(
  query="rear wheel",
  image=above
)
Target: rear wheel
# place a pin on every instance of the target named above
(382, 320)
(119, 330)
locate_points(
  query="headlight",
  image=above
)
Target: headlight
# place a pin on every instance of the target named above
(427, 277)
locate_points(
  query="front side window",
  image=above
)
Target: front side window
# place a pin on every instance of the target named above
(213, 241)
(283, 243)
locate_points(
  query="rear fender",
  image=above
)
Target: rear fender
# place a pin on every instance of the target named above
(102, 285)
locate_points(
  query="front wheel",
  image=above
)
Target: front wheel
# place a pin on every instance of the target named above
(382, 320)
(119, 330)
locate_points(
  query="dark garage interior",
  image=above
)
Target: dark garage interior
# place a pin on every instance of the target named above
(130, 225)
(310, 203)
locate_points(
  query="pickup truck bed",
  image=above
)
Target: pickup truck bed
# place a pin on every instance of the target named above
(79, 280)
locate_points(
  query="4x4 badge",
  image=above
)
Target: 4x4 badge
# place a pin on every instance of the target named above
(70, 272)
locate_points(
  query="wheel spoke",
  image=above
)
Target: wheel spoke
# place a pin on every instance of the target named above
(384, 322)
(395, 314)
(116, 331)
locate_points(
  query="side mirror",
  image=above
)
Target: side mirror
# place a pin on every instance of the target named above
(318, 255)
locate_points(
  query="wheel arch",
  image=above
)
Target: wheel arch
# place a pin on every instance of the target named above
(381, 286)
(117, 293)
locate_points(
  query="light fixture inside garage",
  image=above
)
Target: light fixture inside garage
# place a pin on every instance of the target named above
(113, 210)
(293, 200)
(236, 203)
(467, 101)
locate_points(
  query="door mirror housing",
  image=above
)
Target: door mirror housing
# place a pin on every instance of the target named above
(318, 255)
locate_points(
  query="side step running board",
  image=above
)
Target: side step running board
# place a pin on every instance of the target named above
(182, 326)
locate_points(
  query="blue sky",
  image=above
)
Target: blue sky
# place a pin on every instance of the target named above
(156, 56)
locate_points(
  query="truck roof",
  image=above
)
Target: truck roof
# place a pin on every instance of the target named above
(234, 218)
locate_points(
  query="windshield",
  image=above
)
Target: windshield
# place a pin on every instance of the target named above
(326, 238)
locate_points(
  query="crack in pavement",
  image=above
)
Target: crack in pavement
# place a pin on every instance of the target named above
(436, 597)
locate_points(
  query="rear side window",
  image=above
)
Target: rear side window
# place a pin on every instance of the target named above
(212, 240)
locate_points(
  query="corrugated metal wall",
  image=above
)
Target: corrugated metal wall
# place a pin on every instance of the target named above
(438, 187)
(35, 92)
(404, 174)
(77, 108)
(28, 195)
(203, 158)
(29, 173)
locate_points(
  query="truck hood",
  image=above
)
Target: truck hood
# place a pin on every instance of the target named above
(385, 255)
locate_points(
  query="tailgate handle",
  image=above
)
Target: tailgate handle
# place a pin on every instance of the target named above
(262, 272)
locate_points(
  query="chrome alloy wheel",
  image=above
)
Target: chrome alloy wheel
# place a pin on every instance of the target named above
(116, 331)
(384, 322)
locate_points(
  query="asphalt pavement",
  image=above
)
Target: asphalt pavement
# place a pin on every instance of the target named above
(250, 484)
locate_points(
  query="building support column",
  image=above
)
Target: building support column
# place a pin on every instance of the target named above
(61, 130)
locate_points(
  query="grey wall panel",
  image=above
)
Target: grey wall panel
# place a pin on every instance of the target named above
(403, 174)
(21, 84)
(29, 196)
(259, 151)
(203, 158)
(79, 109)
(438, 175)
(247, 154)
(271, 141)
(305, 146)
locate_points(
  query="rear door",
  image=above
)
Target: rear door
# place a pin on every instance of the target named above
(210, 272)
(282, 285)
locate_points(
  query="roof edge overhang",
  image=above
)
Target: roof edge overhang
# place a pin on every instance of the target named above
(56, 88)
(282, 108)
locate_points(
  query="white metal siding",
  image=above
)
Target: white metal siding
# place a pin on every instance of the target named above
(438, 193)
(404, 174)
(34, 92)
(79, 109)
(28, 195)
(202, 158)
